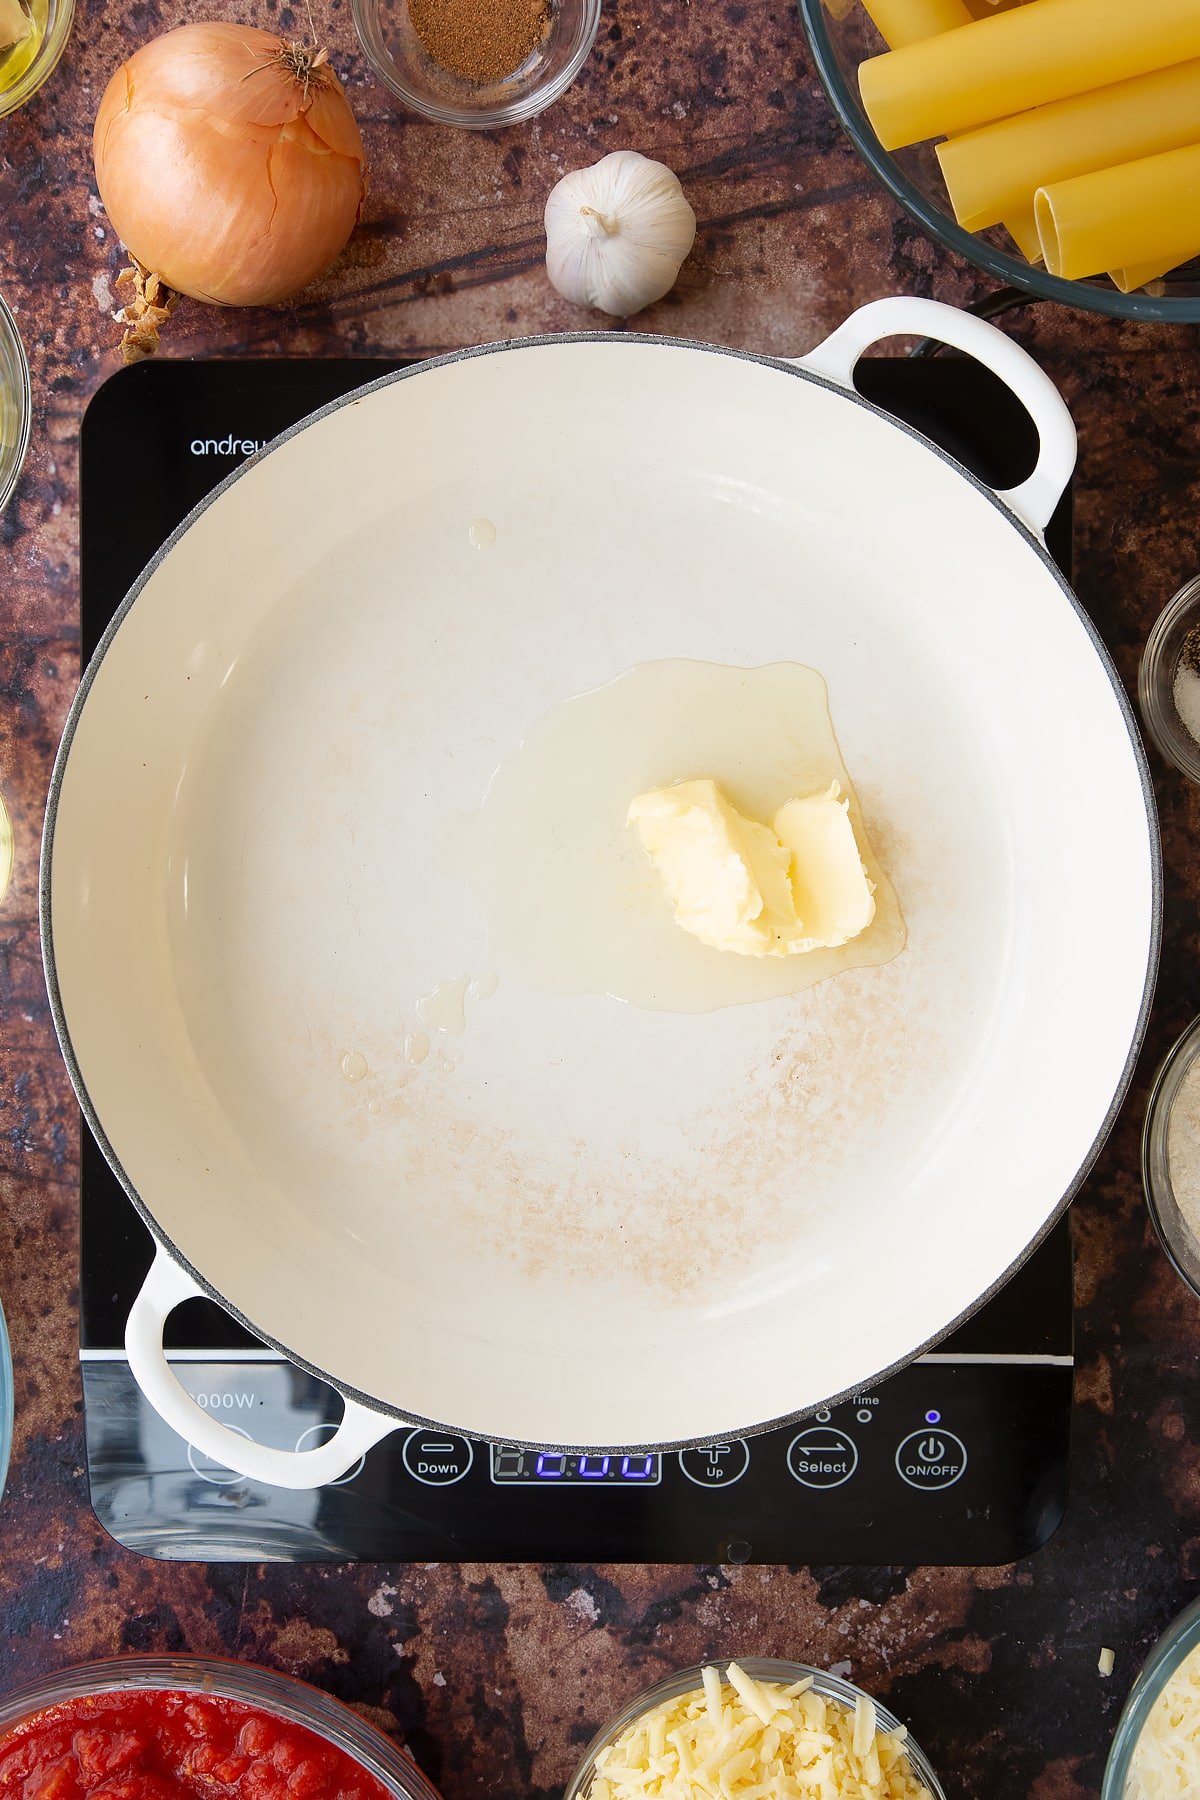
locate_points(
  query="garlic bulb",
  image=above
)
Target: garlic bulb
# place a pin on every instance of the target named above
(617, 233)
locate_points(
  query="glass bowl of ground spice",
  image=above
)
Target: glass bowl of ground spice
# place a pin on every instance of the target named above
(1171, 1155)
(1169, 681)
(16, 408)
(481, 66)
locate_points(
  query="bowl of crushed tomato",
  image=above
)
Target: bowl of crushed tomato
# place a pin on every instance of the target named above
(191, 1728)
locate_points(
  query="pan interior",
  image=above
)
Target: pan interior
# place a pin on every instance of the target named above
(574, 1220)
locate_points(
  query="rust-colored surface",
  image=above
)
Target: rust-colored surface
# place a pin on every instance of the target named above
(495, 1675)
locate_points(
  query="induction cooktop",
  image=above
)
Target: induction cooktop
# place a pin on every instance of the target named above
(960, 1458)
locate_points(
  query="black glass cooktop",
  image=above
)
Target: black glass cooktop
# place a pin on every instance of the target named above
(961, 1458)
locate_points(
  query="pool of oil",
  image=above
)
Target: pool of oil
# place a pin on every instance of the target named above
(571, 902)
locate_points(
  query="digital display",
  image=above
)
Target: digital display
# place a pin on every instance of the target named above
(558, 1468)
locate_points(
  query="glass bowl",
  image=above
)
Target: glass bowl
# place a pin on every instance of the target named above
(36, 58)
(913, 177)
(1178, 1239)
(16, 404)
(760, 1668)
(1156, 679)
(395, 52)
(282, 1695)
(6, 1401)
(1177, 1641)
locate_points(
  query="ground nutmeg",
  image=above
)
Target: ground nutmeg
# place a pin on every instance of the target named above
(481, 40)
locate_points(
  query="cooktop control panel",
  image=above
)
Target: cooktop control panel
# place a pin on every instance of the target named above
(945, 1462)
(960, 1458)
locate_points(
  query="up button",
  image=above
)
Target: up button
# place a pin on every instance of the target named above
(931, 1459)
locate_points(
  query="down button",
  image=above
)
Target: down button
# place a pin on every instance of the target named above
(437, 1458)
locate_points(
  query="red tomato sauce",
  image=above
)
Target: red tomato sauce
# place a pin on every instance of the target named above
(150, 1744)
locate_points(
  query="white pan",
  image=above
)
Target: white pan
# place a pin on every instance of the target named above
(580, 1222)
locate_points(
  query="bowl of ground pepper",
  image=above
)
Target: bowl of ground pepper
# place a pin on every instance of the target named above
(480, 66)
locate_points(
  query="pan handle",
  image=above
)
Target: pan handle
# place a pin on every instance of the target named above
(164, 1288)
(902, 316)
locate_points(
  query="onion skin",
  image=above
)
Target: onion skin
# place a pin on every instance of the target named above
(222, 170)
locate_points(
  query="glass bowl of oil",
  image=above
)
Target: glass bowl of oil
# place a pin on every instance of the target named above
(16, 404)
(33, 35)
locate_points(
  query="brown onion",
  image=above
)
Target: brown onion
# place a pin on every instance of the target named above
(229, 162)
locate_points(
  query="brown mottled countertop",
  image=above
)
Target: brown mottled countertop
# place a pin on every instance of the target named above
(494, 1675)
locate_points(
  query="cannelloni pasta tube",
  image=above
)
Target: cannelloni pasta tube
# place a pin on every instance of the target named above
(994, 170)
(1030, 56)
(1137, 214)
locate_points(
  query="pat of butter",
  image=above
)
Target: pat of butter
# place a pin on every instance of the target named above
(725, 875)
(833, 895)
(752, 889)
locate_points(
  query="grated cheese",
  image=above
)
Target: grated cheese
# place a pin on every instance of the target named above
(744, 1739)
(1166, 1758)
(1107, 1662)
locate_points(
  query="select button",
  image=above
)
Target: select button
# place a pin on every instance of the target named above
(437, 1458)
(822, 1457)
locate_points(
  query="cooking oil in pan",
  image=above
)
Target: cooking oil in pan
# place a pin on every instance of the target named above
(571, 902)
(445, 1008)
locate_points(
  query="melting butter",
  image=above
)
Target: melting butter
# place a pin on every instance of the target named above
(749, 889)
(572, 901)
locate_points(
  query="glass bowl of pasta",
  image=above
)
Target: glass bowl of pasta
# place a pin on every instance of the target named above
(1053, 143)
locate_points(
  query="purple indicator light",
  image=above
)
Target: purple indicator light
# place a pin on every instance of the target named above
(933, 1418)
(546, 1469)
(594, 1474)
(630, 1473)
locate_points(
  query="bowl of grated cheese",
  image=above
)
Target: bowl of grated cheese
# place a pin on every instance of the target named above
(1155, 1753)
(734, 1730)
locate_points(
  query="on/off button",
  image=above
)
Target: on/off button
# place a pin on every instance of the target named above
(928, 1460)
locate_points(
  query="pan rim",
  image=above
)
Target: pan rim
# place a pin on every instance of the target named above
(779, 365)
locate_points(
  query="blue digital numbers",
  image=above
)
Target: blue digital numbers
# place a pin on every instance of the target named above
(535, 1468)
